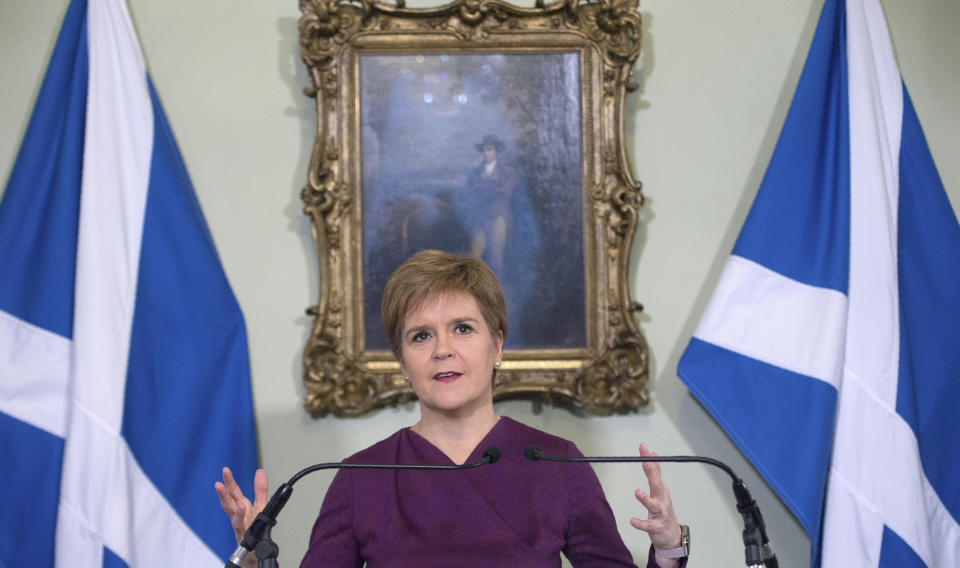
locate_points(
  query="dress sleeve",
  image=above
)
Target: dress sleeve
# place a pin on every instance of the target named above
(592, 538)
(332, 541)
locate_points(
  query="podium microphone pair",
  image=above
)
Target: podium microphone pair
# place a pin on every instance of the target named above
(257, 538)
(757, 548)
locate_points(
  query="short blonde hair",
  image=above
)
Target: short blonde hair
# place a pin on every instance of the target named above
(432, 273)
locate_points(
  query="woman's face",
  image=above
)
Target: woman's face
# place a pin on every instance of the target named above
(448, 353)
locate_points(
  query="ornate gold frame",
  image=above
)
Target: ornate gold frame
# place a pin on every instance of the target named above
(611, 373)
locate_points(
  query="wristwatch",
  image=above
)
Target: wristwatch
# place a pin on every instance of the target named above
(682, 551)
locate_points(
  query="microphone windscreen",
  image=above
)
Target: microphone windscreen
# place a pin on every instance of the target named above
(492, 454)
(532, 453)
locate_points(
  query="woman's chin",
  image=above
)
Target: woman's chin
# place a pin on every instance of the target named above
(447, 405)
(452, 404)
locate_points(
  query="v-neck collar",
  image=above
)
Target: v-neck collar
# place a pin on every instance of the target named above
(424, 444)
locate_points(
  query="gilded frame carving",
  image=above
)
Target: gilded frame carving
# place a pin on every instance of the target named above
(608, 374)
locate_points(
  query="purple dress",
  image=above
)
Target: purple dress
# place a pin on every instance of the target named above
(511, 513)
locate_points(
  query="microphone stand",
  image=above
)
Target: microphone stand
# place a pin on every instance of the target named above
(257, 538)
(757, 547)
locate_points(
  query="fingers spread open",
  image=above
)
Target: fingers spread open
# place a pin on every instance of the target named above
(226, 501)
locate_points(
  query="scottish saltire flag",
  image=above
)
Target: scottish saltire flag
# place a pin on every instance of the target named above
(829, 350)
(124, 376)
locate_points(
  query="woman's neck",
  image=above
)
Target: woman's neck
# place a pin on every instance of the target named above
(456, 436)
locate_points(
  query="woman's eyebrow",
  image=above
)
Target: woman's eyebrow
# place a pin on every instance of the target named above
(428, 327)
(417, 329)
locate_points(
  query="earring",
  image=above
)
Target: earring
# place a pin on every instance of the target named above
(497, 364)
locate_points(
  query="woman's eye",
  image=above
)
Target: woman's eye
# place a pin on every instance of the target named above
(420, 337)
(463, 328)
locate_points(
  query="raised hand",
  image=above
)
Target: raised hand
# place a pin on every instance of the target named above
(236, 505)
(661, 523)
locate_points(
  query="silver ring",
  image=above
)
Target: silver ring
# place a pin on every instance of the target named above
(657, 514)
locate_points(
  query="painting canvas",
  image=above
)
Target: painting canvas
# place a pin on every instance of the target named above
(485, 129)
(478, 154)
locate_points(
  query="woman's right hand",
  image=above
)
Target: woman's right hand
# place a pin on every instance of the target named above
(240, 510)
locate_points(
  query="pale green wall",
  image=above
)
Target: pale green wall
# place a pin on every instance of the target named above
(716, 81)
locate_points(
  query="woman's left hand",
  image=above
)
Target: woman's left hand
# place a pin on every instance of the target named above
(661, 522)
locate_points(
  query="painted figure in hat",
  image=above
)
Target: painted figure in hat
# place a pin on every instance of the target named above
(490, 188)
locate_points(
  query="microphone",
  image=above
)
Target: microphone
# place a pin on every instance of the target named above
(757, 546)
(532, 453)
(257, 537)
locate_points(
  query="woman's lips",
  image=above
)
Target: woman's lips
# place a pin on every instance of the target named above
(447, 377)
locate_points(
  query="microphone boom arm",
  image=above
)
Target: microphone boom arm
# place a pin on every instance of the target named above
(257, 537)
(757, 548)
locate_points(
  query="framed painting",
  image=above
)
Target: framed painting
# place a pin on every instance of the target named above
(484, 129)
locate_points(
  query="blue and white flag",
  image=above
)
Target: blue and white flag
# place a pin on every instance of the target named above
(829, 350)
(124, 375)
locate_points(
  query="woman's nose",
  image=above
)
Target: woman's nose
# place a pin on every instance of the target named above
(442, 347)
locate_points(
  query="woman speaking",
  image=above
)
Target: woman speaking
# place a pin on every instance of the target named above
(446, 322)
